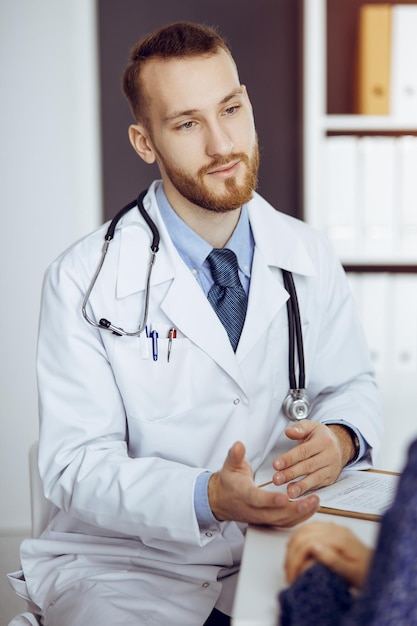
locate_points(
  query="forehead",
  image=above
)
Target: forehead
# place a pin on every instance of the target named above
(194, 83)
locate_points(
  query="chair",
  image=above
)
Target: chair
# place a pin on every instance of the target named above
(41, 510)
(40, 507)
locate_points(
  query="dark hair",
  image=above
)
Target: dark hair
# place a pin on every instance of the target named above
(179, 40)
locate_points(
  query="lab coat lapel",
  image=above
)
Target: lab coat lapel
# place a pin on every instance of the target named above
(266, 298)
(277, 247)
(187, 306)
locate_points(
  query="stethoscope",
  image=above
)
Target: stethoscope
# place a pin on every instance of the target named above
(297, 404)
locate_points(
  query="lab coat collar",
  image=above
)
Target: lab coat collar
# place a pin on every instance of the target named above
(279, 238)
(275, 235)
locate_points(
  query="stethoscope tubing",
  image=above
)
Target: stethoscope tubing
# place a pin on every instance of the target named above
(295, 333)
(103, 322)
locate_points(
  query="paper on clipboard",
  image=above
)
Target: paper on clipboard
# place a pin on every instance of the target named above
(356, 493)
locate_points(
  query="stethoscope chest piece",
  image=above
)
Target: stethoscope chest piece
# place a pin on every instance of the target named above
(297, 405)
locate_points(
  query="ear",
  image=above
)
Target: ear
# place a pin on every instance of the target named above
(141, 143)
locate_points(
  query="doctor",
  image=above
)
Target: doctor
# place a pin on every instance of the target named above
(149, 444)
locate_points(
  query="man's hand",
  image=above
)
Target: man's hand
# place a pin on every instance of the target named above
(233, 495)
(333, 545)
(321, 454)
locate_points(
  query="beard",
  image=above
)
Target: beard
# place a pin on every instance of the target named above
(194, 189)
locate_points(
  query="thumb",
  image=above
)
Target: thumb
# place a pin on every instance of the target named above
(236, 455)
(300, 430)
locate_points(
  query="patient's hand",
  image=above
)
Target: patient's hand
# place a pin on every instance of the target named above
(331, 544)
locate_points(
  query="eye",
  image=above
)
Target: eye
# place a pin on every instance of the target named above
(186, 125)
(231, 110)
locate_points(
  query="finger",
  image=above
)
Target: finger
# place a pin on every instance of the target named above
(307, 535)
(316, 462)
(301, 429)
(236, 454)
(275, 509)
(301, 465)
(331, 544)
(294, 568)
(352, 571)
(233, 495)
(270, 501)
(310, 473)
(334, 535)
(314, 444)
(350, 561)
(237, 463)
(299, 553)
(312, 481)
(297, 512)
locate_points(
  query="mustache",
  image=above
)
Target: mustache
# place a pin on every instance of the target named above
(222, 161)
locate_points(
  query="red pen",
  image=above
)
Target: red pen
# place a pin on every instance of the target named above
(172, 334)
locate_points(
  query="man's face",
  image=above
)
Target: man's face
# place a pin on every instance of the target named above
(201, 131)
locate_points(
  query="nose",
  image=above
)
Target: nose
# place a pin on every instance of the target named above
(219, 142)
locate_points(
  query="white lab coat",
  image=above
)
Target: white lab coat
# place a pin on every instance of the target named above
(123, 437)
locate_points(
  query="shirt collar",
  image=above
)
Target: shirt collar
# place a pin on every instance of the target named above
(193, 249)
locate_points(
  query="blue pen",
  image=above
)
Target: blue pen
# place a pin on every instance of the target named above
(154, 335)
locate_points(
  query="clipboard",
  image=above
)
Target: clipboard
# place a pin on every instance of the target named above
(343, 512)
(358, 514)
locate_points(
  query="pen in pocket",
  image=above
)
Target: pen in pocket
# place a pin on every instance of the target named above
(154, 336)
(172, 334)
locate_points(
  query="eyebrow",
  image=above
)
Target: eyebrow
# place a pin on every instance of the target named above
(236, 92)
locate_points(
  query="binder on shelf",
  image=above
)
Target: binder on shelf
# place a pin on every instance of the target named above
(403, 101)
(376, 161)
(404, 327)
(339, 219)
(369, 197)
(374, 60)
(406, 202)
(375, 312)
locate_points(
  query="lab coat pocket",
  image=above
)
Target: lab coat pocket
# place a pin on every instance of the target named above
(158, 388)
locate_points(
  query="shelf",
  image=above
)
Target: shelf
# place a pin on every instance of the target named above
(363, 123)
(379, 268)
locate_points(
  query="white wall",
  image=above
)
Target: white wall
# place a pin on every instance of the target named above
(50, 195)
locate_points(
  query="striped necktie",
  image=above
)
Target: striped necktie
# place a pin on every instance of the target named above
(227, 296)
